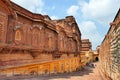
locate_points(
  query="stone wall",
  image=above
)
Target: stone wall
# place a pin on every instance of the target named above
(110, 51)
(51, 67)
(28, 38)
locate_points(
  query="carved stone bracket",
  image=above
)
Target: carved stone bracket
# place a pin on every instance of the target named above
(37, 26)
(17, 27)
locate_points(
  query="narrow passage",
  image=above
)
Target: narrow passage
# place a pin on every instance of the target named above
(89, 72)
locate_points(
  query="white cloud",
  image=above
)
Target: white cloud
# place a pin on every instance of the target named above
(89, 31)
(32, 5)
(88, 26)
(54, 17)
(100, 10)
(72, 10)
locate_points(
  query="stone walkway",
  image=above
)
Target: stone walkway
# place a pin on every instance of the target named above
(88, 73)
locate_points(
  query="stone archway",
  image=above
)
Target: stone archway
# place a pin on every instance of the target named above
(96, 59)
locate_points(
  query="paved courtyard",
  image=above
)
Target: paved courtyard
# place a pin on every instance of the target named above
(87, 73)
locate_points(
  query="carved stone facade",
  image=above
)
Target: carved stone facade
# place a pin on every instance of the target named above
(87, 50)
(86, 45)
(110, 51)
(27, 38)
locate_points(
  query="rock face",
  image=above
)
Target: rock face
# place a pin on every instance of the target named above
(27, 38)
(110, 50)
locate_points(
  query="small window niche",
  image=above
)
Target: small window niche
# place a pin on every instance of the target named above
(18, 35)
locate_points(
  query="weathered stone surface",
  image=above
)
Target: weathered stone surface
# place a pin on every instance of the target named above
(28, 38)
(110, 52)
(86, 45)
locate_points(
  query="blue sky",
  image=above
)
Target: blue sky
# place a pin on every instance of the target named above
(92, 16)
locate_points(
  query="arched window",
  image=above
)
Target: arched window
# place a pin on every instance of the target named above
(18, 35)
(41, 38)
(61, 43)
(0, 27)
(50, 42)
(35, 37)
(64, 43)
(0, 30)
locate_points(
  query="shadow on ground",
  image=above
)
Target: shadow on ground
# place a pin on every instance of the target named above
(84, 71)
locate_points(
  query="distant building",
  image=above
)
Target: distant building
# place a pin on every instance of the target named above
(86, 45)
(95, 55)
(87, 50)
